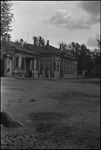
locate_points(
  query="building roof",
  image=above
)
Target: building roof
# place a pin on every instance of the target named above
(40, 50)
(14, 46)
(46, 50)
(68, 54)
(58, 52)
(36, 50)
(53, 50)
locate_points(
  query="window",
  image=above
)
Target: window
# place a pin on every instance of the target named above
(54, 66)
(17, 62)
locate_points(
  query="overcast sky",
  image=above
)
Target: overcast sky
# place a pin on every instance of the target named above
(57, 21)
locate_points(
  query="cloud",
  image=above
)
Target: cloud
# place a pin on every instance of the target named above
(93, 9)
(71, 20)
(61, 17)
(92, 42)
(66, 19)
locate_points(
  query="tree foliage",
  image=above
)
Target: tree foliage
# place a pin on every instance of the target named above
(83, 55)
(96, 60)
(63, 46)
(99, 43)
(87, 60)
(6, 16)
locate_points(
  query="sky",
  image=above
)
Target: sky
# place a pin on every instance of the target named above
(57, 21)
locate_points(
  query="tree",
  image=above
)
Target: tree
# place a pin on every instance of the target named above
(63, 46)
(39, 41)
(83, 56)
(6, 16)
(75, 48)
(96, 53)
(88, 61)
(99, 43)
(96, 60)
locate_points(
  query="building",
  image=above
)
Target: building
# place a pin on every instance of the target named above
(17, 59)
(49, 61)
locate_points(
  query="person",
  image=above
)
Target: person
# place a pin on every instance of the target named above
(30, 73)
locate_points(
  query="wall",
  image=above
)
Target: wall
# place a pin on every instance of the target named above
(29, 64)
(69, 68)
(42, 65)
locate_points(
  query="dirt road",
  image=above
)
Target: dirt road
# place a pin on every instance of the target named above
(56, 113)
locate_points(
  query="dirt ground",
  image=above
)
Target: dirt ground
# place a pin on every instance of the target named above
(55, 113)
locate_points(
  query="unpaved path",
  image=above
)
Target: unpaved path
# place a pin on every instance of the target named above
(55, 113)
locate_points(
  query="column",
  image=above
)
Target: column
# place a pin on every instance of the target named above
(25, 63)
(69, 66)
(43, 73)
(73, 66)
(20, 63)
(39, 66)
(13, 63)
(63, 66)
(34, 64)
(66, 66)
(49, 69)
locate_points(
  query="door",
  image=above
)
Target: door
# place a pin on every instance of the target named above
(46, 70)
(27, 65)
